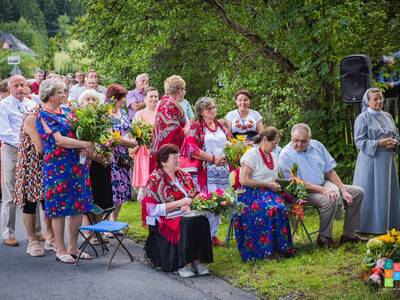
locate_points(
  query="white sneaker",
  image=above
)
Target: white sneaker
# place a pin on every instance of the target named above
(201, 269)
(186, 271)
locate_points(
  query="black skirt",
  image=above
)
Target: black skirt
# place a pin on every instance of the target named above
(100, 176)
(194, 244)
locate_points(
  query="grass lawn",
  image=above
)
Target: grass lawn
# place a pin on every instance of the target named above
(312, 273)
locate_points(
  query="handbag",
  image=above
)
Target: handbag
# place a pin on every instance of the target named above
(124, 160)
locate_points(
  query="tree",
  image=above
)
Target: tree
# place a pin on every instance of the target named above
(285, 52)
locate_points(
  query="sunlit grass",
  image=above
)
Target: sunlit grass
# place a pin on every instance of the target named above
(312, 273)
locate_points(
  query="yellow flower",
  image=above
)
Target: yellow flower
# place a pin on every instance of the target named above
(241, 137)
(386, 238)
(117, 135)
(138, 132)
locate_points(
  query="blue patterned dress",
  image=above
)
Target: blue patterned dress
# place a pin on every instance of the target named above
(66, 183)
(121, 182)
(263, 228)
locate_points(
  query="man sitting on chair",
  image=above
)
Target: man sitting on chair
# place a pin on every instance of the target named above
(326, 190)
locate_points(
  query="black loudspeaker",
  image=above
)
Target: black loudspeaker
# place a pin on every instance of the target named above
(355, 77)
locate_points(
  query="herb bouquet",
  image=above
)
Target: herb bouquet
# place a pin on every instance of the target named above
(218, 202)
(142, 132)
(93, 123)
(234, 150)
(294, 193)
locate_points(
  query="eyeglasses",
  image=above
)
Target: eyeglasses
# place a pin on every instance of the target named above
(211, 108)
(303, 142)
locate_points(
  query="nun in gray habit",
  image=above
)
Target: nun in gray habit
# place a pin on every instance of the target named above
(377, 138)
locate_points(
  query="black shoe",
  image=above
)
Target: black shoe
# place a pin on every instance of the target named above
(346, 239)
(325, 242)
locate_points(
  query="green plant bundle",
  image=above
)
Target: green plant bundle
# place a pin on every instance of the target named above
(142, 132)
(92, 123)
(233, 151)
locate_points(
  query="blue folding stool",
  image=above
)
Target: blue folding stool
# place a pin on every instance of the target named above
(106, 226)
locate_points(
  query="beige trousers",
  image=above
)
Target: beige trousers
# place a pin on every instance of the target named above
(327, 209)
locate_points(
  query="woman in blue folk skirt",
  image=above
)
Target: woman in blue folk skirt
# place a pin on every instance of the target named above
(263, 229)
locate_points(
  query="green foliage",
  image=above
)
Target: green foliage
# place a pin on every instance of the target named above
(285, 52)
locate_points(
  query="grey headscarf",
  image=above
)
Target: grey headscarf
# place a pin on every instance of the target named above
(365, 99)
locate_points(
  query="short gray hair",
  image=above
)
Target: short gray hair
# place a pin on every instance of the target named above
(88, 93)
(49, 87)
(140, 76)
(202, 104)
(173, 84)
(302, 127)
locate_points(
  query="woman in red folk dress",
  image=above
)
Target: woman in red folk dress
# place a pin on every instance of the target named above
(182, 243)
(170, 118)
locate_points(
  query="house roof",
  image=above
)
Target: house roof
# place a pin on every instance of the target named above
(11, 42)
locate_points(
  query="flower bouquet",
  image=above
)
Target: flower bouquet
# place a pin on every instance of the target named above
(218, 202)
(142, 132)
(234, 150)
(93, 123)
(379, 249)
(294, 193)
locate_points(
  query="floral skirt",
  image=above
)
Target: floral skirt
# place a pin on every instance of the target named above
(263, 228)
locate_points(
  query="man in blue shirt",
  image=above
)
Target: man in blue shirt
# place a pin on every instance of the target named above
(326, 190)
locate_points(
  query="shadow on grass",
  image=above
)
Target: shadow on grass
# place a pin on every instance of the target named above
(313, 273)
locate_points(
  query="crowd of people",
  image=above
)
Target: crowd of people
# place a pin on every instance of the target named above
(43, 173)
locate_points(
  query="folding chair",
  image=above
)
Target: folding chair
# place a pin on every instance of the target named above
(102, 227)
(229, 233)
(93, 217)
(300, 224)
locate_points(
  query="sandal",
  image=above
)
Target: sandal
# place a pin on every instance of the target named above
(65, 259)
(35, 249)
(50, 245)
(83, 256)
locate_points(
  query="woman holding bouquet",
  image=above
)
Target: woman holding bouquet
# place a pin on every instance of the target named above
(263, 228)
(205, 143)
(66, 182)
(170, 118)
(181, 243)
(142, 155)
(121, 182)
(100, 168)
(243, 120)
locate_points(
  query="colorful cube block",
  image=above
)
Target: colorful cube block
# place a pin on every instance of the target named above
(388, 273)
(388, 282)
(388, 264)
(396, 276)
(396, 267)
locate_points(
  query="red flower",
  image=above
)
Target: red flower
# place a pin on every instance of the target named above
(272, 212)
(76, 169)
(63, 203)
(177, 194)
(47, 157)
(53, 209)
(50, 172)
(219, 192)
(71, 134)
(278, 200)
(88, 182)
(284, 230)
(58, 152)
(59, 188)
(255, 206)
(61, 167)
(264, 239)
(49, 193)
(79, 189)
(78, 205)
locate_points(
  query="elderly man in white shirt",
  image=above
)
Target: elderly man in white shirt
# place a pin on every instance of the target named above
(316, 167)
(12, 111)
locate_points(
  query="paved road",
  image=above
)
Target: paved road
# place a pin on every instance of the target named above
(26, 277)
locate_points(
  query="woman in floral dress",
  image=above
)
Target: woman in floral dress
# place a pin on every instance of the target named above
(66, 182)
(263, 228)
(120, 165)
